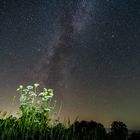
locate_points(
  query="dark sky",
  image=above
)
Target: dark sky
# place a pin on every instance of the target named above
(88, 51)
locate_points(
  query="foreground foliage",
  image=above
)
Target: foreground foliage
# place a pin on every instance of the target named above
(34, 121)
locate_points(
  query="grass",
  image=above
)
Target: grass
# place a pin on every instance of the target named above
(34, 121)
(16, 129)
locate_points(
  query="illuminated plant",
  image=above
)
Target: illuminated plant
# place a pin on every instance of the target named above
(35, 106)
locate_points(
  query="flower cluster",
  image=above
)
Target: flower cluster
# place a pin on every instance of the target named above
(34, 102)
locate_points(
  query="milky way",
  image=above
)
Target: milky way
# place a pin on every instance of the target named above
(86, 50)
(58, 61)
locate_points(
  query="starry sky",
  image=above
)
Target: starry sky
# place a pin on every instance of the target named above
(88, 51)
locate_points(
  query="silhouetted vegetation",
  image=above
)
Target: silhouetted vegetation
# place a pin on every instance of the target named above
(35, 122)
(135, 136)
(15, 129)
(12, 128)
(119, 131)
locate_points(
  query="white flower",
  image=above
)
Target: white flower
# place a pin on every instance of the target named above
(50, 90)
(47, 109)
(45, 89)
(21, 86)
(18, 89)
(33, 94)
(42, 94)
(25, 90)
(46, 98)
(36, 85)
(30, 87)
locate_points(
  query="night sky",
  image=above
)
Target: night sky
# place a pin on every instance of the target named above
(88, 51)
